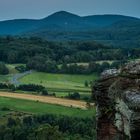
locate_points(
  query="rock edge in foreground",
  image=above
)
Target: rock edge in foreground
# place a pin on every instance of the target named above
(117, 95)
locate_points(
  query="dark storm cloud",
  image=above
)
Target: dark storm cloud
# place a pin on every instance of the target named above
(10, 9)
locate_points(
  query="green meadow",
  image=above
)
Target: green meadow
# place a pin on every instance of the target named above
(60, 83)
(35, 107)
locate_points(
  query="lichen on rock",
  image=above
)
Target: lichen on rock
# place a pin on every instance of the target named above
(117, 95)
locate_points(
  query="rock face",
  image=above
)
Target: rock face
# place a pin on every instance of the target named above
(117, 95)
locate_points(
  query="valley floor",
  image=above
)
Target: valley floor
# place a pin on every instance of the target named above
(46, 99)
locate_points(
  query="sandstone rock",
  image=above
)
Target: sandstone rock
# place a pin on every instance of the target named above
(109, 73)
(117, 95)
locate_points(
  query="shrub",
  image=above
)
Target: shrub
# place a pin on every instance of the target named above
(31, 87)
(7, 86)
(21, 68)
(74, 95)
(44, 92)
(3, 69)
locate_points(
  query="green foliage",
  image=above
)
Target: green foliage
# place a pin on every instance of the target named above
(74, 95)
(31, 87)
(86, 83)
(44, 92)
(3, 69)
(47, 132)
(45, 56)
(11, 122)
(48, 127)
(20, 68)
(34, 107)
(8, 86)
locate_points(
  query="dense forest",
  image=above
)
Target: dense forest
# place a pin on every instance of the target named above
(47, 127)
(48, 56)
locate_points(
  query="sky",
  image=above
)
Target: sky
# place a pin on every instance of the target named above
(36, 9)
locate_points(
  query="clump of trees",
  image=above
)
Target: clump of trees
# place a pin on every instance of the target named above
(25, 87)
(7, 86)
(92, 67)
(75, 96)
(21, 68)
(3, 69)
(45, 91)
(31, 87)
(52, 67)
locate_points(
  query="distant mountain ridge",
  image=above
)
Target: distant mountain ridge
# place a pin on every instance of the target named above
(60, 20)
(63, 25)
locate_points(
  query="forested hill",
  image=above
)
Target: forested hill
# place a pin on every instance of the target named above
(22, 50)
(63, 57)
(111, 29)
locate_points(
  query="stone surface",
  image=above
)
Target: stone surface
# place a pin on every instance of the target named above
(117, 95)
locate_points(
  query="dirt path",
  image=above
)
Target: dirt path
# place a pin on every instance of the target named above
(45, 99)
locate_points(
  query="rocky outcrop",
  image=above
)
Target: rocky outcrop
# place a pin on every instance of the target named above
(117, 95)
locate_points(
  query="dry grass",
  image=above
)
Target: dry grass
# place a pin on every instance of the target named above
(46, 99)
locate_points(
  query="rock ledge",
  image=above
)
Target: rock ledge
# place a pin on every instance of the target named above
(117, 95)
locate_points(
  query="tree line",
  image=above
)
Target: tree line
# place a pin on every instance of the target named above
(74, 68)
(52, 67)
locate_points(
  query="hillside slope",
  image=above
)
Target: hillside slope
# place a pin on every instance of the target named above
(63, 26)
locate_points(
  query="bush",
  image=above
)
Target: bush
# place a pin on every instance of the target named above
(7, 86)
(4, 109)
(3, 86)
(44, 92)
(3, 69)
(21, 68)
(31, 87)
(86, 84)
(75, 96)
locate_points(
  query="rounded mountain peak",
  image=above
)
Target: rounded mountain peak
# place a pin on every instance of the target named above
(62, 14)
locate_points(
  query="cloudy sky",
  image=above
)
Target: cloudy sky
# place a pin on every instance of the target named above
(11, 9)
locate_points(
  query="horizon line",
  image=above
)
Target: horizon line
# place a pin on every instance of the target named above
(115, 14)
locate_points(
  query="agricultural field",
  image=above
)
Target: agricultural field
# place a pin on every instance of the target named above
(61, 84)
(34, 107)
(46, 99)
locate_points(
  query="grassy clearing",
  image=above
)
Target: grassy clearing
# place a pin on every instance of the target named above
(60, 83)
(42, 108)
(12, 69)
